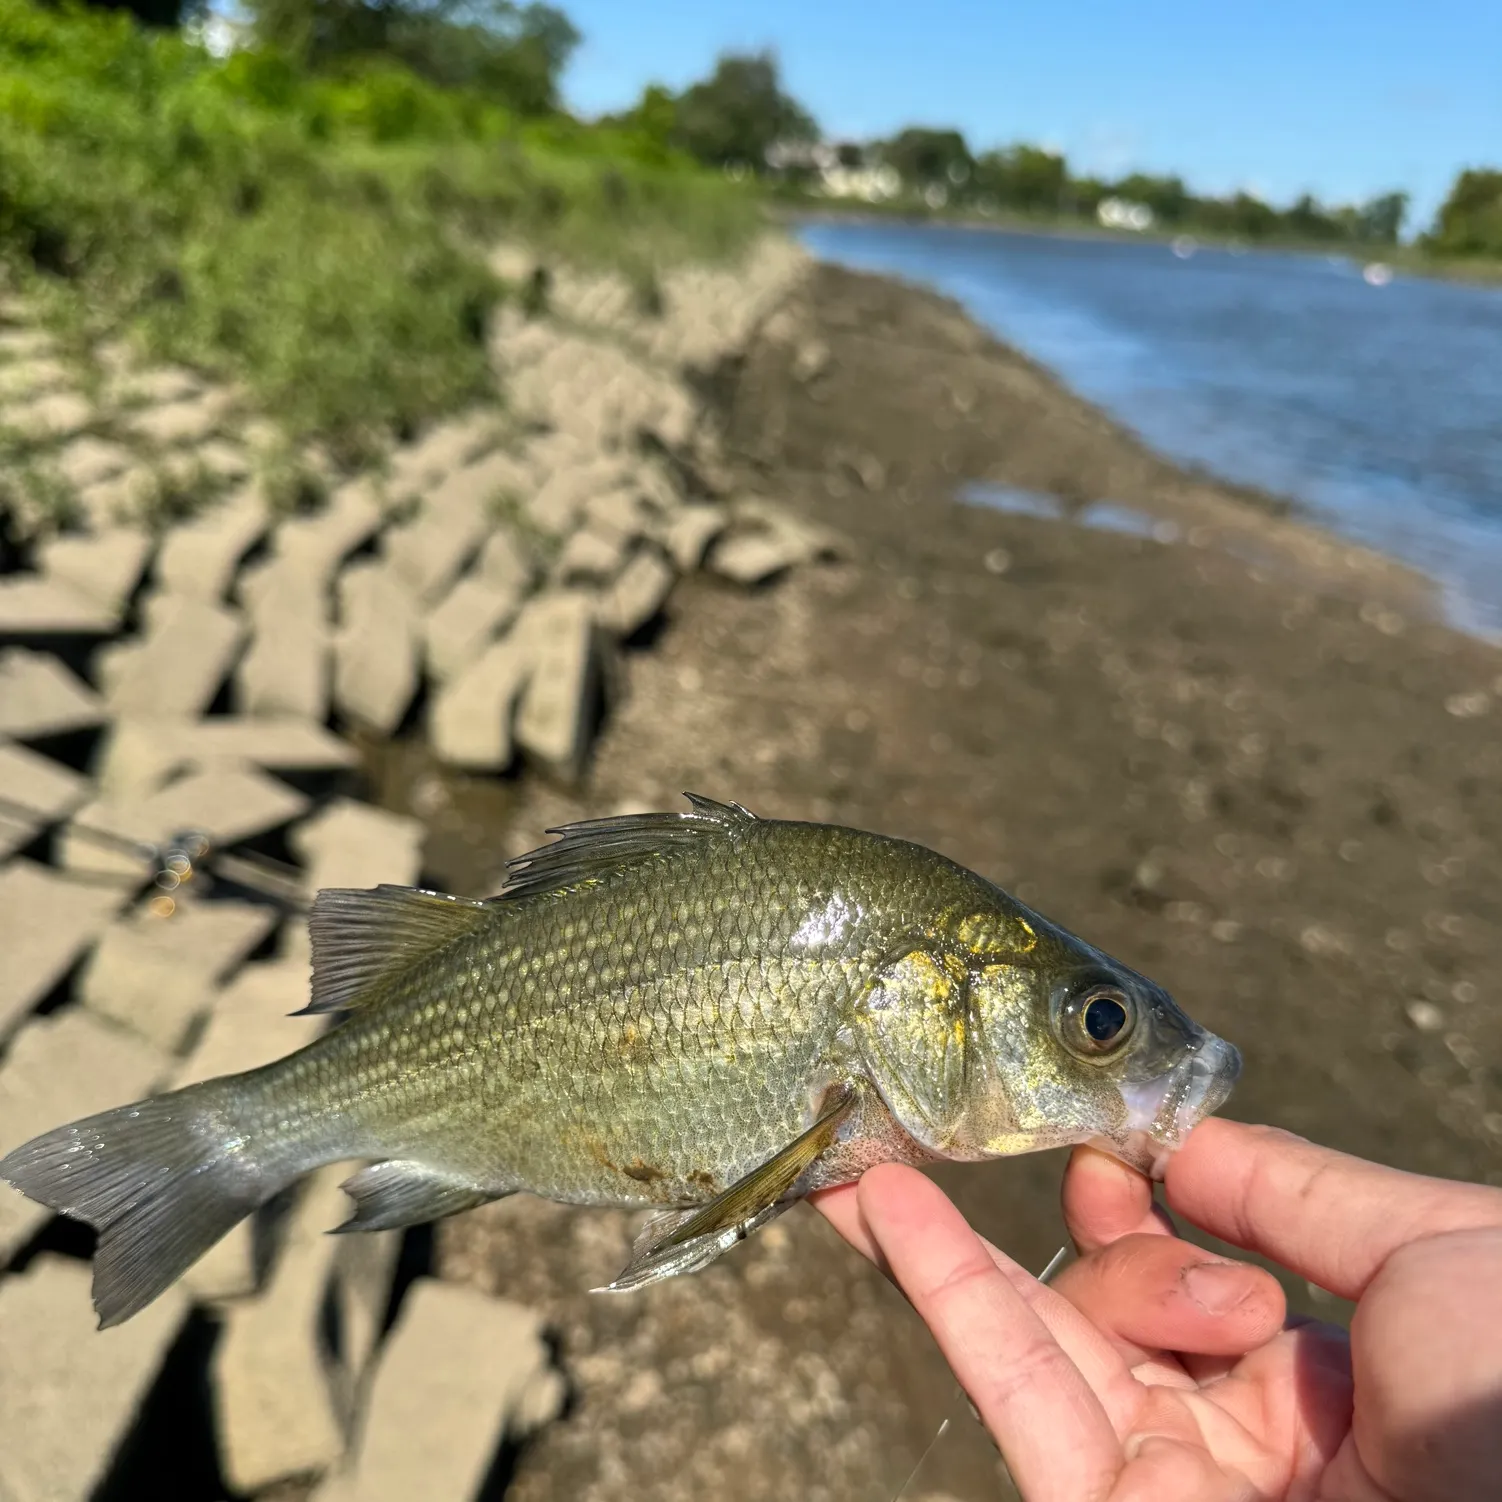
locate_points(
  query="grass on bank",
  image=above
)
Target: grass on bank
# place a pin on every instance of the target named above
(319, 239)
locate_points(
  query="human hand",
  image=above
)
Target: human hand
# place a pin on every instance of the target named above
(1151, 1369)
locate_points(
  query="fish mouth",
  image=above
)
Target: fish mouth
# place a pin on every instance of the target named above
(1162, 1112)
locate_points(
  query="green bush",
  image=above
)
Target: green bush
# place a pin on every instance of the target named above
(319, 238)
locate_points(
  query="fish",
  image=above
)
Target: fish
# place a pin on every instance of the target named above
(707, 1014)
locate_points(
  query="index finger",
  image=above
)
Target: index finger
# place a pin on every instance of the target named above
(1058, 1442)
(1331, 1218)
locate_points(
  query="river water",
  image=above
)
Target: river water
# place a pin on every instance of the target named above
(1378, 408)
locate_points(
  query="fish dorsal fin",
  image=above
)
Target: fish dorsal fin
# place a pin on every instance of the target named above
(593, 849)
(362, 939)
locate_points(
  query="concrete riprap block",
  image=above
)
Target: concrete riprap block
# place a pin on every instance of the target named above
(249, 1025)
(592, 555)
(689, 532)
(429, 552)
(40, 697)
(467, 621)
(470, 719)
(31, 605)
(189, 420)
(282, 1398)
(227, 802)
(637, 595)
(376, 645)
(459, 1373)
(285, 671)
(58, 1068)
(316, 545)
(506, 562)
(179, 664)
(86, 461)
(156, 974)
(556, 507)
(47, 921)
(251, 1022)
(45, 419)
(349, 844)
(107, 566)
(451, 445)
(140, 755)
(66, 1406)
(553, 722)
(35, 791)
(199, 558)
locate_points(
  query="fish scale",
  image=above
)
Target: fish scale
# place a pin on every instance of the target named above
(709, 1013)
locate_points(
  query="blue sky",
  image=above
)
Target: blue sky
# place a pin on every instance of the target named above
(1344, 98)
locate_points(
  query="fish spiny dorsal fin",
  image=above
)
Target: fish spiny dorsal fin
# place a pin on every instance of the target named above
(594, 848)
(364, 939)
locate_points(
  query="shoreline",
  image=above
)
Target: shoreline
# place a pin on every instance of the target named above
(1193, 495)
(1402, 259)
(1209, 509)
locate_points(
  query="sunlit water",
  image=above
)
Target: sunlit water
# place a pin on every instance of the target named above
(1379, 408)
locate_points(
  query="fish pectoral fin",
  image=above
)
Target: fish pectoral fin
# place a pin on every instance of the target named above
(364, 939)
(683, 1241)
(397, 1193)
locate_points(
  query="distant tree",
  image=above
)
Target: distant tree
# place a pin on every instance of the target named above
(1244, 216)
(1307, 219)
(1026, 178)
(925, 157)
(163, 13)
(1469, 222)
(1381, 219)
(1083, 195)
(734, 115)
(1167, 197)
(654, 115)
(515, 52)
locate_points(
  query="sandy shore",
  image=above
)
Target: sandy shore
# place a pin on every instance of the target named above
(1246, 761)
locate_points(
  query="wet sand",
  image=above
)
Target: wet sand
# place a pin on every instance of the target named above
(1246, 761)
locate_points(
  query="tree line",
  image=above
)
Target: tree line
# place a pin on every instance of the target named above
(741, 119)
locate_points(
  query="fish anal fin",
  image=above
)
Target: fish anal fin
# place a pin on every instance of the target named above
(596, 848)
(364, 938)
(682, 1241)
(399, 1193)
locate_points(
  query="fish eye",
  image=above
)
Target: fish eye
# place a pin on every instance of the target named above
(1098, 1021)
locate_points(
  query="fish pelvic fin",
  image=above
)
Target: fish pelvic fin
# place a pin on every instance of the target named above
(161, 1182)
(365, 940)
(683, 1241)
(594, 849)
(397, 1193)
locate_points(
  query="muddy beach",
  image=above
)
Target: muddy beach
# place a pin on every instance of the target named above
(1244, 759)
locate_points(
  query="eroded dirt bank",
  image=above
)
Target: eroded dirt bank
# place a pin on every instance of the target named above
(1274, 786)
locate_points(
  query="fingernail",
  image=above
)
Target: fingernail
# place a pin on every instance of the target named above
(1217, 1287)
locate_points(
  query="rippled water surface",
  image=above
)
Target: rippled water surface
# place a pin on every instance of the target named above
(1377, 407)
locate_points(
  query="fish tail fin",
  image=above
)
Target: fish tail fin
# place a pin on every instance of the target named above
(161, 1181)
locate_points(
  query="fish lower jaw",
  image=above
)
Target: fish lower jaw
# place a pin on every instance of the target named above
(1163, 1111)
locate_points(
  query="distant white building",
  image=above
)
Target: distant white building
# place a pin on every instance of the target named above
(802, 156)
(1121, 213)
(829, 164)
(869, 184)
